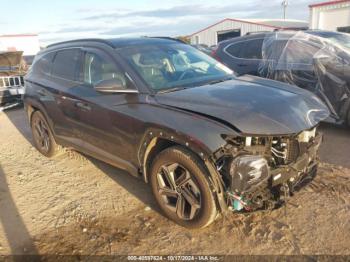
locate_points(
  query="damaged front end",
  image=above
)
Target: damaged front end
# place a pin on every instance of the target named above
(261, 172)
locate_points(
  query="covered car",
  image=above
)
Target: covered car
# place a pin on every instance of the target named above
(12, 70)
(318, 61)
(311, 62)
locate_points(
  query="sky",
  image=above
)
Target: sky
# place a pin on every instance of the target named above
(70, 19)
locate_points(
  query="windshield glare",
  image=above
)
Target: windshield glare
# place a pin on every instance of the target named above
(174, 65)
(340, 39)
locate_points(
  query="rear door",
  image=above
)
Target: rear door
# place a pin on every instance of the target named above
(47, 86)
(64, 78)
(245, 56)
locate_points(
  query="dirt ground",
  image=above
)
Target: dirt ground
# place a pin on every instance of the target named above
(78, 205)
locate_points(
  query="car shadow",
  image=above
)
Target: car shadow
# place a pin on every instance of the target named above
(14, 228)
(135, 186)
(335, 148)
(20, 121)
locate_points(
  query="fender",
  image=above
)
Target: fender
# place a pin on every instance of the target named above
(29, 107)
(151, 140)
(203, 136)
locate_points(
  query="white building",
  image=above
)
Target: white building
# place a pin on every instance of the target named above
(28, 43)
(332, 15)
(229, 28)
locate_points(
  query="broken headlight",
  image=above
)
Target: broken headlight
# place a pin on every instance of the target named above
(248, 172)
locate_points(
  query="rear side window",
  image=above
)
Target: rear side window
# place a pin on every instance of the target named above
(275, 50)
(300, 52)
(66, 64)
(236, 49)
(250, 49)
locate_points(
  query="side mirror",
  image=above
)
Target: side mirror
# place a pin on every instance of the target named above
(110, 86)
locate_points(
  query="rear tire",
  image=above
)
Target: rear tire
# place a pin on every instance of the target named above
(44, 141)
(180, 185)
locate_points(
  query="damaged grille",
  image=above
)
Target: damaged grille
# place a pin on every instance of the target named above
(287, 150)
(11, 81)
(284, 150)
(293, 150)
(278, 150)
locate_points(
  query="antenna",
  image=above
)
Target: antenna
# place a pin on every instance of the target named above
(284, 6)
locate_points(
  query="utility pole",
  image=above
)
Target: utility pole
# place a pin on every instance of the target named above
(284, 6)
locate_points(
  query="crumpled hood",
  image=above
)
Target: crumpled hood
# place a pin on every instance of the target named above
(10, 61)
(252, 105)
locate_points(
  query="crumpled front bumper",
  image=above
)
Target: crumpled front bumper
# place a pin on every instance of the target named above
(280, 183)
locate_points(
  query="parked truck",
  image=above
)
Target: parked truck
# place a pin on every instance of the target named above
(12, 71)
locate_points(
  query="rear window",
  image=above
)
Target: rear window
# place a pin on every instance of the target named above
(249, 49)
(66, 63)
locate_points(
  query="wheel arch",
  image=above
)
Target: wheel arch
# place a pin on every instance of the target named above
(30, 111)
(157, 142)
(32, 106)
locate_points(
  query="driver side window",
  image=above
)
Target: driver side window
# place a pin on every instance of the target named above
(97, 69)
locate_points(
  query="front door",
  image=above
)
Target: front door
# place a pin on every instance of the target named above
(105, 127)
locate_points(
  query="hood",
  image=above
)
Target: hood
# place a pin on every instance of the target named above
(10, 61)
(252, 105)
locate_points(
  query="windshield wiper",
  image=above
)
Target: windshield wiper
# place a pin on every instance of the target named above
(173, 89)
(213, 82)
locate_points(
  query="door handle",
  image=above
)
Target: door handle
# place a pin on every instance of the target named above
(83, 106)
(242, 65)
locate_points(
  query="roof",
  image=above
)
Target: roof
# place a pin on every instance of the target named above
(329, 3)
(284, 34)
(271, 23)
(324, 33)
(284, 23)
(123, 42)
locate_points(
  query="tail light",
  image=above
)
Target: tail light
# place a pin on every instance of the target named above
(214, 54)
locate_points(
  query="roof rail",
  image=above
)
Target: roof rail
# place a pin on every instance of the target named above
(82, 40)
(292, 29)
(257, 32)
(167, 38)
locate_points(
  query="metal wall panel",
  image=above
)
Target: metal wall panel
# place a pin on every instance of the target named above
(209, 35)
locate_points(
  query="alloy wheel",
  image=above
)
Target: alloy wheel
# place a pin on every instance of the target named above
(179, 191)
(41, 135)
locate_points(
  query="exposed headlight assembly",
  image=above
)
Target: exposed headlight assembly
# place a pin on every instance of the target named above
(248, 172)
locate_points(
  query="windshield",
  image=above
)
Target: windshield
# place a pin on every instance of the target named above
(340, 39)
(169, 66)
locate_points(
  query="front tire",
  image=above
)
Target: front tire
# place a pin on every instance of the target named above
(44, 141)
(180, 185)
